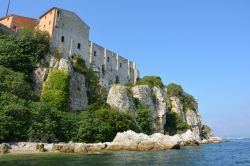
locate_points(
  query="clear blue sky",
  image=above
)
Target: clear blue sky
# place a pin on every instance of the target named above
(202, 45)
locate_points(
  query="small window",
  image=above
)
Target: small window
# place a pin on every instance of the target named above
(45, 17)
(8, 19)
(58, 13)
(79, 46)
(108, 59)
(94, 53)
(120, 64)
(43, 26)
(49, 22)
(62, 39)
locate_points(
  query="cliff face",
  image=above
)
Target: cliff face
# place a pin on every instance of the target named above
(155, 100)
(78, 99)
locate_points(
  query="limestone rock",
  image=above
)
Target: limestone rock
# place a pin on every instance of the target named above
(78, 99)
(119, 98)
(40, 147)
(132, 141)
(190, 138)
(193, 119)
(4, 148)
(80, 148)
(214, 140)
(143, 93)
(95, 148)
(206, 132)
(161, 108)
(177, 107)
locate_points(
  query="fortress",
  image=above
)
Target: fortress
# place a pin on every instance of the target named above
(70, 36)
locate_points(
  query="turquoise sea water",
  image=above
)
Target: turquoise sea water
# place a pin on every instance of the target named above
(234, 152)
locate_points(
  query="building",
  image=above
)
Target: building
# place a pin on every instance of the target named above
(15, 22)
(70, 36)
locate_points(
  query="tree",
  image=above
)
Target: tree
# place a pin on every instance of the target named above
(14, 110)
(22, 51)
(15, 83)
(144, 119)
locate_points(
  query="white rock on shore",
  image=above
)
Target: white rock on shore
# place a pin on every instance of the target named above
(124, 141)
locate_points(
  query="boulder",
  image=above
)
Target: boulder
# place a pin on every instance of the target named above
(56, 147)
(80, 148)
(132, 141)
(40, 147)
(4, 148)
(189, 138)
(120, 98)
(67, 148)
(214, 140)
(95, 148)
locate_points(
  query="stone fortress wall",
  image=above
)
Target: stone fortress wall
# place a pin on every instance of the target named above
(70, 36)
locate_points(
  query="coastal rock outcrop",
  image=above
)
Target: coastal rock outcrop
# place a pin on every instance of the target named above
(177, 107)
(161, 107)
(4, 148)
(193, 119)
(120, 99)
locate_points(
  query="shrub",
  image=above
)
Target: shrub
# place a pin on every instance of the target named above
(174, 90)
(188, 102)
(43, 125)
(144, 119)
(102, 124)
(15, 83)
(56, 90)
(22, 51)
(79, 65)
(151, 81)
(175, 124)
(16, 118)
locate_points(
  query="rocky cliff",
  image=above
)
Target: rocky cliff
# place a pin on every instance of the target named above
(78, 99)
(155, 99)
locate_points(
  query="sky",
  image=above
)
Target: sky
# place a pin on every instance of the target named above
(202, 45)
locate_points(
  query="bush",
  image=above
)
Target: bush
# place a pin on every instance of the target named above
(101, 125)
(151, 81)
(79, 65)
(15, 117)
(22, 51)
(43, 125)
(175, 124)
(15, 83)
(188, 102)
(174, 90)
(56, 90)
(144, 120)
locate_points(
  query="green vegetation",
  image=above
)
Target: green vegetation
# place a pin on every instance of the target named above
(151, 81)
(174, 90)
(56, 90)
(79, 65)
(175, 124)
(100, 123)
(144, 119)
(188, 101)
(22, 51)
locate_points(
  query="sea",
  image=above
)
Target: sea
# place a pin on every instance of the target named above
(230, 152)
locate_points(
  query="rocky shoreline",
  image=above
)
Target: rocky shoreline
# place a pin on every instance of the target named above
(125, 141)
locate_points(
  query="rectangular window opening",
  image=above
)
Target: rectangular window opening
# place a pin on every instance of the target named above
(79, 46)
(62, 39)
